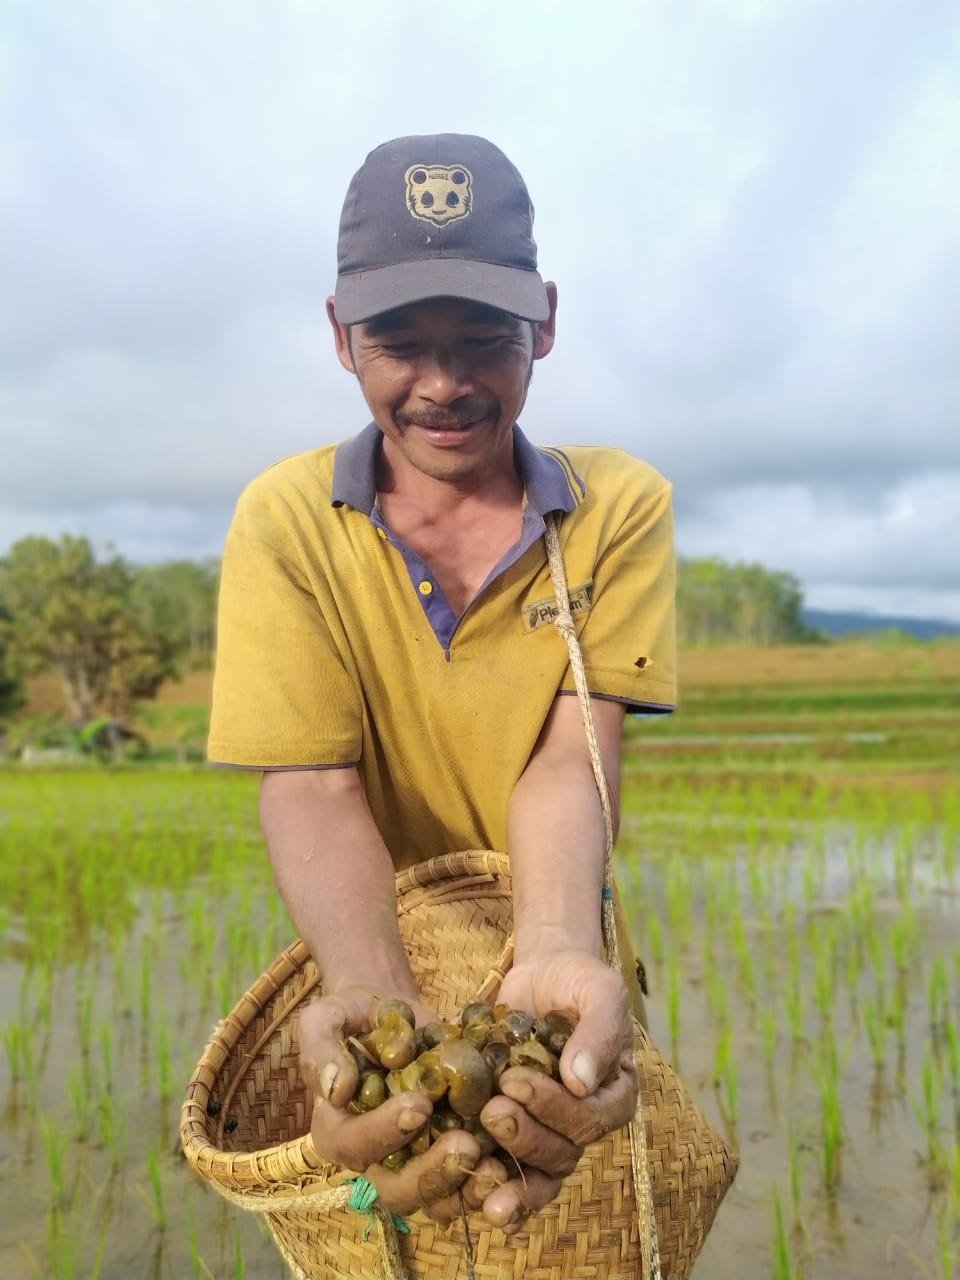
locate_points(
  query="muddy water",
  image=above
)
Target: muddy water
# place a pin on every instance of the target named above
(131, 1008)
(106, 1224)
(883, 1216)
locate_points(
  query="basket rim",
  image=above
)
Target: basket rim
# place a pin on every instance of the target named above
(247, 1171)
(450, 866)
(234, 1169)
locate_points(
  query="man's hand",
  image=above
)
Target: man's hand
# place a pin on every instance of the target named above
(326, 1063)
(361, 1142)
(544, 1124)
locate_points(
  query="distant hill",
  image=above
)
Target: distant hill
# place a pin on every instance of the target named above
(841, 624)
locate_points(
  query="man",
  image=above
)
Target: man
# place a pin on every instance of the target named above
(386, 658)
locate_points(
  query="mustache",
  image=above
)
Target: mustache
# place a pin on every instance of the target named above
(456, 416)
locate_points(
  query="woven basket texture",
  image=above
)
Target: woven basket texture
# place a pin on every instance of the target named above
(455, 915)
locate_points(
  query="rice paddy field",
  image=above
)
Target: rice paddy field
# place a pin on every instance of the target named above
(790, 856)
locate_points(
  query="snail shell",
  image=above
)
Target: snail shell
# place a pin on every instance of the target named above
(468, 1076)
(531, 1053)
(394, 1041)
(386, 1008)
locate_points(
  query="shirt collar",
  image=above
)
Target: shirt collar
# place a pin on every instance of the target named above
(548, 483)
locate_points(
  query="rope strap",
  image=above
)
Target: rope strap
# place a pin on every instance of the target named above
(649, 1244)
(356, 1194)
(362, 1198)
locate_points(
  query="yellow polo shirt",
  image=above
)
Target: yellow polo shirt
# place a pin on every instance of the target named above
(336, 647)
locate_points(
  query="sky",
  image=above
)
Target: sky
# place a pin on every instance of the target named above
(751, 209)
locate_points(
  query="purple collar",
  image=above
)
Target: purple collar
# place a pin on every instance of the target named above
(545, 480)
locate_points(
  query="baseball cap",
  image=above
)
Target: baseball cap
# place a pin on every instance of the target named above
(446, 215)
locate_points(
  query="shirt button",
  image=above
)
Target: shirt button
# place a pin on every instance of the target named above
(426, 588)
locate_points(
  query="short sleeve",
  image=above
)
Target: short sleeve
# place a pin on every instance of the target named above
(628, 636)
(282, 696)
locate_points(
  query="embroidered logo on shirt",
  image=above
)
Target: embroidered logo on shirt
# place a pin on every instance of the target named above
(543, 612)
(439, 193)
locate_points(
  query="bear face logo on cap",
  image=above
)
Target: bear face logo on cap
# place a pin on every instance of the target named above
(438, 194)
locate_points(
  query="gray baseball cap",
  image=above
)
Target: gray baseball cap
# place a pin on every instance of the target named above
(445, 215)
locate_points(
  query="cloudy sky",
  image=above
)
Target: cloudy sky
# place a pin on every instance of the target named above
(751, 208)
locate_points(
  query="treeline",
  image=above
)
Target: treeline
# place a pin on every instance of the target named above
(720, 603)
(113, 631)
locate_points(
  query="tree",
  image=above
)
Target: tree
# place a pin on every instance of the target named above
(740, 603)
(179, 602)
(12, 695)
(72, 614)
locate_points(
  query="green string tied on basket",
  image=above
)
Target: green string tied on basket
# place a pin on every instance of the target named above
(363, 1197)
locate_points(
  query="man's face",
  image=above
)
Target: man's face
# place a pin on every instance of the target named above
(445, 380)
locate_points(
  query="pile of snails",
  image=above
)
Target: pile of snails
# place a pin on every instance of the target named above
(456, 1065)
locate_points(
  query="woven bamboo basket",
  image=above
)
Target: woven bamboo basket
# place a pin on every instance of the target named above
(245, 1123)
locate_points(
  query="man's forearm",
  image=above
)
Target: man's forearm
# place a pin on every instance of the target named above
(556, 835)
(556, 858)
(336, 877)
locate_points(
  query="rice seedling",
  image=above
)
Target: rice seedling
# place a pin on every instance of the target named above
(783, 1268)
(744, 956)
(770, 1032)
(831, 1118)
(824, 981)
(927, 1111)
(673, 1007)
(903, 863)
(794, 1177)
(811, 884)
(120, 982)
(14, 1047)
(726, 1078)
(85, 1021)
(897, 1013)
(106, 1033)
(146, 981)
(162, 1060)
(874, 1020)
(155, 1198)
(60, 1249)
(852, 965)
(903, 936)
(678, 897)
(796, 1014)
(877, 947)
(31, 1067)
(111, 1126)
(78, 1089)
(938, 996)
(54, 1152)
(758, 889)
(952, 1043)
(948, 1241)
(43, 1005)
(716, 985)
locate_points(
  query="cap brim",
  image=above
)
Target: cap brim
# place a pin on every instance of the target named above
(369, 293)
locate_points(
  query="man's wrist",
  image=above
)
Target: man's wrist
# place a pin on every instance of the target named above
(536, 937)
(382, 975)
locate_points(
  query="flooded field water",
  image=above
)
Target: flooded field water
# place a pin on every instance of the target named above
(797, 903)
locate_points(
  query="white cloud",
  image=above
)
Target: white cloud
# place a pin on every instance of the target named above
(750, 210)
(896, 553)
